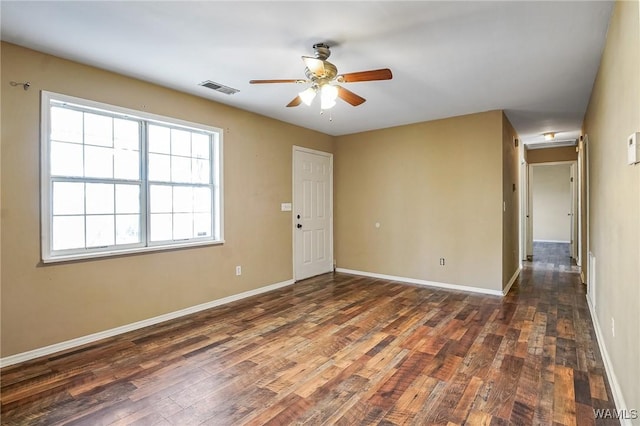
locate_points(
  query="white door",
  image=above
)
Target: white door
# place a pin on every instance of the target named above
(312, 212)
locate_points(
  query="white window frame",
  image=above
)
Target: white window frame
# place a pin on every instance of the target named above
(46, 182)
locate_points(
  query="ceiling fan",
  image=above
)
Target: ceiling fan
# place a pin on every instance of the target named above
(323, 76)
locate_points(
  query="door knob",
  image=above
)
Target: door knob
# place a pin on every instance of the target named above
(299, 225)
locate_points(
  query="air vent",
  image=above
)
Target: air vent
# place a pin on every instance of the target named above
(219, 87)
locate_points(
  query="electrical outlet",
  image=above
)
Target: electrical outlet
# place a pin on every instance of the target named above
(238, 270)
(442, 261)
(613, 327)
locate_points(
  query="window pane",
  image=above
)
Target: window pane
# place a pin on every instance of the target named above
(180, 169)
(99, 198)
(200, 171)
(126, 164)
(98, 162)
(100, 231)
(159, 167)
(68, 232)
(98, 130)
(161, 199)
(68, 198)
(202, 199)
(182, 199)
(180, 142)
(200, 145)
(66, 125)
(66, 159)
(109, 188)
(161, 227)
(127, 199)
(126, 134)
(127, 228)
(159, 139)
(202, 224)
(182, 226)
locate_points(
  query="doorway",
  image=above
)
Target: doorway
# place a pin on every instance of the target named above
(312, 212)
(552, 204)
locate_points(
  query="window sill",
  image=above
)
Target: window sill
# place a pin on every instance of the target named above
(137, 250)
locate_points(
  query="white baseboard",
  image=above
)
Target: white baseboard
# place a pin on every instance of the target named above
(551, 241)
(618, 398)
(68, 344)
(513, 279)
(422, 282)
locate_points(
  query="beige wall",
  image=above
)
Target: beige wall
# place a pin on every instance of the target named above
(547, 155)
(551, 196)
(614, 190)
(43, 305)
(511, 198)
(436, 190)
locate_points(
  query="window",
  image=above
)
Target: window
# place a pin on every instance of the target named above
(116, 181)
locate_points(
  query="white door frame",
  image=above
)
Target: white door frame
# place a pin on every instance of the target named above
(529, 214)
(580, 202)
(295, 202)
(529, 189)
(523, 211)
(591, 260)
(574, 205)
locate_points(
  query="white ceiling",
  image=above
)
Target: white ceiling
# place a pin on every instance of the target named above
(535, 59)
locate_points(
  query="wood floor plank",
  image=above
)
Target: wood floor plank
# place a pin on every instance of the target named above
(338, 349)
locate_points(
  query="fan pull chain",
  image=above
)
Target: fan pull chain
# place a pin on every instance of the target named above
(330, 116)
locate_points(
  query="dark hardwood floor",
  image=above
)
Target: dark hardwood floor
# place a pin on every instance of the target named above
(336, 349)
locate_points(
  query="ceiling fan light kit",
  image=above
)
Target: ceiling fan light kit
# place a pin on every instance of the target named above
(308, 95)
(322, 75)
(328, 96)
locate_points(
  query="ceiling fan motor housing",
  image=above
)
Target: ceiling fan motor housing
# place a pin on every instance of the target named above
(321, 51)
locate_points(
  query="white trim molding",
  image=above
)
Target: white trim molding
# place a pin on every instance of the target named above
(79, 341)
(513, 279)
(618, 397)
(552, 241)
(422, 282)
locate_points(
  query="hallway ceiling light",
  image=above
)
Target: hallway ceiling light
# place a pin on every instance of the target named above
(549, 136)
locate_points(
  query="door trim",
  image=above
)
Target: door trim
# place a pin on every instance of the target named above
(573, 203)
(329, 155)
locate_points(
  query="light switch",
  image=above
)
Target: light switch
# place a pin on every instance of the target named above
(285, 207)
(633, 149)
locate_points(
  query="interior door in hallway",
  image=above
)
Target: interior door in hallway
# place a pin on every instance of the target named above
(312, 212)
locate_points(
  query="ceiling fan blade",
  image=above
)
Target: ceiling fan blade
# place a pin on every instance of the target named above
(349, 97)
(352, 77)
(291, 80)
(295, 102)
(315, 65)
